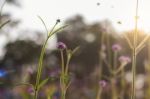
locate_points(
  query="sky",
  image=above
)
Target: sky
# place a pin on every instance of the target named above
(50, 10)
(115, 10)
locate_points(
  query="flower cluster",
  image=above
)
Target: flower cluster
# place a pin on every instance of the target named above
(116, 47)
(124, 59)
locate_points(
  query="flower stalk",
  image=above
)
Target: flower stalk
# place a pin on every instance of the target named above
(40, 83)
(134, 53)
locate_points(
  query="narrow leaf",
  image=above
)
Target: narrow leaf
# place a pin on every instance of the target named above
(75, 50)
(23, 84)
(3, 24)
(128, 41)
(43, 83)
(44, 24)
(143, 41)
(57, 30)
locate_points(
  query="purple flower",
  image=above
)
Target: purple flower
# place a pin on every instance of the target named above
(61, 45)
(124, 59)
(30, 70)
(116, 47)
(30, 90)
(102, 83)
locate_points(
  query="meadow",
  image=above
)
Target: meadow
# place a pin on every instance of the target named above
(89, 61)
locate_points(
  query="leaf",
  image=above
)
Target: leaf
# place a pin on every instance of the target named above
(43, 83)
(23, 84)
(75, 50)
(128, 41)
(142, 42)
(57, 30)
(3, 24)
(44, 24)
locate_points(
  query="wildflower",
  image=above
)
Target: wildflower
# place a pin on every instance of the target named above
(124, 59)
(116, 47)
(30, 90)
(30, 70)
(61, 45)
(102, 83)
(3, 73)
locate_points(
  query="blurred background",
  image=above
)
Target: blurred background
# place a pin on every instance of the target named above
(97, 26)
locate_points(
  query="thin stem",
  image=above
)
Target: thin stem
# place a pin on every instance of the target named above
(133, 73)
(62, 61)
(113, 86)
(40, 68)
(35, 94)
(100, 58)
(115, 61)
(67, 66)
(99, 93)
(62, 79)
(134, 53)
(122, 83)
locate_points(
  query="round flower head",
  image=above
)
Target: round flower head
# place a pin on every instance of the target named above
(102, 83)
(30, 70)
(124, 59)
(61, 45)
(116, 47)
(30, 90)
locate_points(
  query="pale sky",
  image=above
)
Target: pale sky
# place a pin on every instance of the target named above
(114, 10)
(50, 10)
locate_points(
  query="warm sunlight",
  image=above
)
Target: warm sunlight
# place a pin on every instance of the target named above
(74, 49)
(114, 10)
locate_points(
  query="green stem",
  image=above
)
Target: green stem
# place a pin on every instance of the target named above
(62, 79)
(40, 68)
(113, 87)
(67, 66)
(122, 83)
(99, 93)
(62, 62)
(115, 61)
